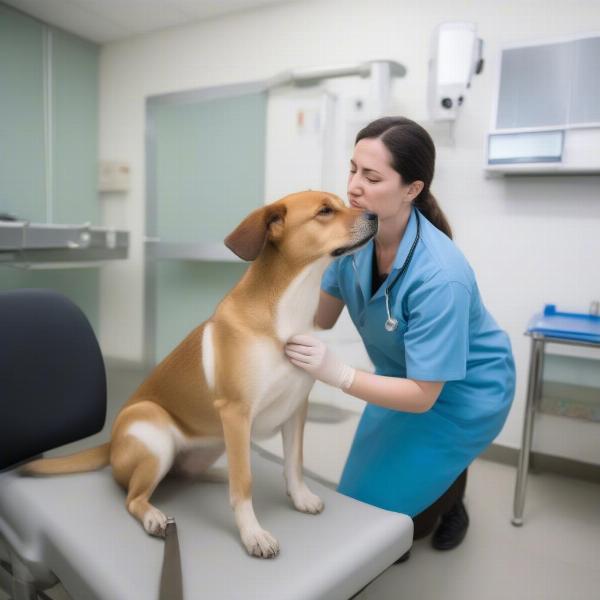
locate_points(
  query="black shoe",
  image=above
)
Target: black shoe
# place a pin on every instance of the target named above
(453, 528)
(403, 558)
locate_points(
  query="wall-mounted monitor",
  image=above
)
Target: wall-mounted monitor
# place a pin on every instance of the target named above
(546, 116)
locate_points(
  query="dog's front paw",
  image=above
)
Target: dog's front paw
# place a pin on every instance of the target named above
(305, 501)
(259, 542)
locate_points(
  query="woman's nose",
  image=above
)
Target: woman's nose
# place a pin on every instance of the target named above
(353, 184)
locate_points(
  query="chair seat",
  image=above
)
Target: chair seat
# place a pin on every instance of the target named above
(77, 527)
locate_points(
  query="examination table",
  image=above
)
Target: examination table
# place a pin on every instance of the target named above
(76, 527)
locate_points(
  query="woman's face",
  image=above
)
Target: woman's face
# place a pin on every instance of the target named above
(373, 184)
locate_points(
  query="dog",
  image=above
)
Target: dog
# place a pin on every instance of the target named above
(229, 381)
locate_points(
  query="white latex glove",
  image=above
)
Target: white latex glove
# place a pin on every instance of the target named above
(312, 355)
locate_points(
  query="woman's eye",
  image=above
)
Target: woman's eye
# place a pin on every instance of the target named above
(372, 180)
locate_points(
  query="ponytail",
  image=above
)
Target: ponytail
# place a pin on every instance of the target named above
(427, 204)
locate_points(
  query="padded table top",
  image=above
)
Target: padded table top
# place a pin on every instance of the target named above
(77, 526)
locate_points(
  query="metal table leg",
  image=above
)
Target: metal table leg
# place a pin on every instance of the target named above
(23, 586)
(536, 367)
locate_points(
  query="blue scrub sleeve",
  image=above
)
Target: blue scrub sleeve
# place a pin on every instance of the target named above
(330, 281)
(436, 341)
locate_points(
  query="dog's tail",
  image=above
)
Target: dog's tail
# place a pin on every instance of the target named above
(86, 460)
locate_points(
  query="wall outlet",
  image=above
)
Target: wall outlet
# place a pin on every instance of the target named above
(113, 176)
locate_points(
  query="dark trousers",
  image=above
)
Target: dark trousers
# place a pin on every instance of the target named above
(426, 520)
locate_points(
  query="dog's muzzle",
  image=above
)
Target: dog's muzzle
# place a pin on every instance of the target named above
(364, 230)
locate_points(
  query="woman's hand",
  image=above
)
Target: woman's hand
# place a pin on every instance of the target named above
(311, 354)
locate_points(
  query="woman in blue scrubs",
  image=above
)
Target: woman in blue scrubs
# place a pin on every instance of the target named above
(444, 372)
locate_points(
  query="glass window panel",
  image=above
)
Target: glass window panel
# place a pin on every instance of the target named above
(209, 174)
(22, 170)
(210, 165)
(534, 86)
(74, 144)
(585, 96)
(74, 129)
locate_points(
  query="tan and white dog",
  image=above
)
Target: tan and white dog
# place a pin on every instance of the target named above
(229, 380)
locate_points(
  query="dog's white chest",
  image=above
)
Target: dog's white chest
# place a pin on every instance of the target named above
(278, 388)
(297, 306)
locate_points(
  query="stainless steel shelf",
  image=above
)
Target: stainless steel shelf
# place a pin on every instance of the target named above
(38, 245)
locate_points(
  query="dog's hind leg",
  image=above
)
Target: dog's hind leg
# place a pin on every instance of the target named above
(142, 452)
(236, 427)
(142, 484)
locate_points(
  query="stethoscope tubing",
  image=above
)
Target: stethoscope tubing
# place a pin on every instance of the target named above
(391, 324)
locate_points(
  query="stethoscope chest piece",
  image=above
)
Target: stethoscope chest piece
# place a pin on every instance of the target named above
(391, 325)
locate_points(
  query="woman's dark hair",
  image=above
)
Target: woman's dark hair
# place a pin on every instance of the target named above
(413, 156)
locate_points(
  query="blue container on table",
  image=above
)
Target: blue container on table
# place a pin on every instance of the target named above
(570, 326)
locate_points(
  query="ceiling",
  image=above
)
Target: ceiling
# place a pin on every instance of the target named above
(103, 21)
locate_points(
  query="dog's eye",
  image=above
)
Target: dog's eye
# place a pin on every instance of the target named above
(326, 210)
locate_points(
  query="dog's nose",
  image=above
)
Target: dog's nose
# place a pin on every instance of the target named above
(370, 216)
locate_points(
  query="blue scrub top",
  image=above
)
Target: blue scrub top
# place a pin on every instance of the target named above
(405, 461)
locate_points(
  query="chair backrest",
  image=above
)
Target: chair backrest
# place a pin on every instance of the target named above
(52, 376)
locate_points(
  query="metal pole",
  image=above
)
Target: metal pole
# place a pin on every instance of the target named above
(23, 586)
(380, 88)
(536, 368)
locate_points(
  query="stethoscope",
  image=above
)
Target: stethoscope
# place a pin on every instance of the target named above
(391, 324)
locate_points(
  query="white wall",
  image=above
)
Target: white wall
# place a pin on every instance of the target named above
(530, 240)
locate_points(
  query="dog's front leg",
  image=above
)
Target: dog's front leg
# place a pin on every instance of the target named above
(236, 428)
(292, 432)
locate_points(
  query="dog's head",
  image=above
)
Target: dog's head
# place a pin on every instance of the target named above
(304, 227)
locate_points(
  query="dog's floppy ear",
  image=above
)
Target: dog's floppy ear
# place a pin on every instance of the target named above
(249, 237)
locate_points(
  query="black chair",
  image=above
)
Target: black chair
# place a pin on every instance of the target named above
(52, 376)
(52, 384)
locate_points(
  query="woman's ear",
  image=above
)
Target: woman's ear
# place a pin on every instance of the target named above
(414, 189)
(248, 238)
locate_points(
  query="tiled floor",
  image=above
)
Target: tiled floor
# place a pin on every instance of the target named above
(554, 556)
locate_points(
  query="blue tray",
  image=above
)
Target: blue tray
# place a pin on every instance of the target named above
(570, 326)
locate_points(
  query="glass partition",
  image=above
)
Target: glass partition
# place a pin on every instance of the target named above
(205, 173)
(49, 143)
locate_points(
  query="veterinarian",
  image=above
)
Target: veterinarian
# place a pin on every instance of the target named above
(444, 372)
